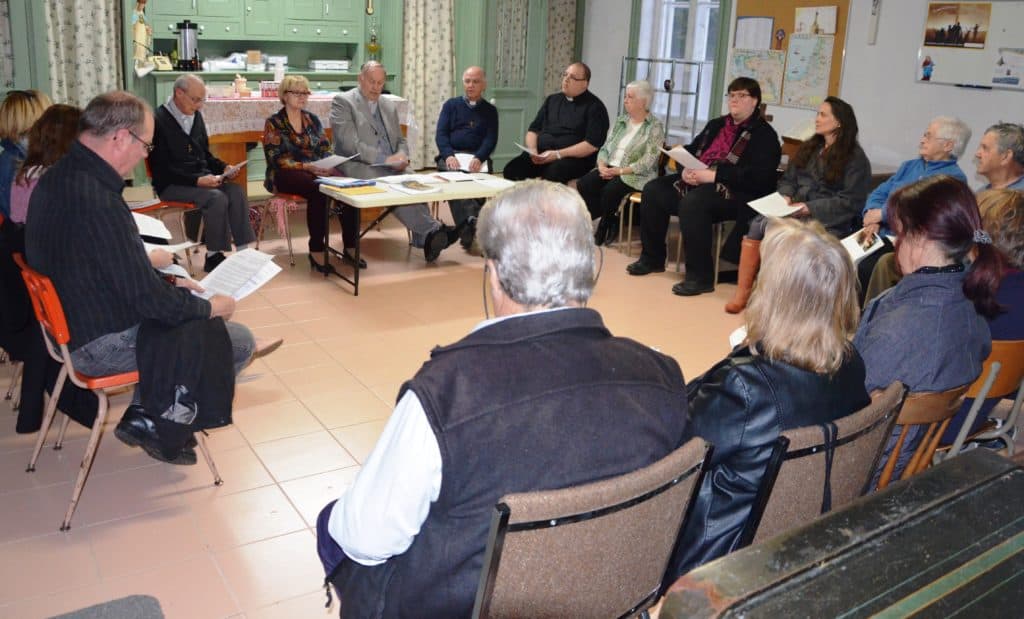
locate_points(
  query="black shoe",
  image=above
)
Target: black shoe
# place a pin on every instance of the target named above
(607, 231)
(613, 232)
(437, 241)
(213, 261)
(136, 429)
(316, 266)
(687, 288)
(347, 256)
(642, 267)
(468, 233)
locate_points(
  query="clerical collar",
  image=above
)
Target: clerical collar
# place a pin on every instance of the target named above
(569, 99)
(949, 268)
(468, 102)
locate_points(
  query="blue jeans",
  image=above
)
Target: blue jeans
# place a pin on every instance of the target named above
(114, 353)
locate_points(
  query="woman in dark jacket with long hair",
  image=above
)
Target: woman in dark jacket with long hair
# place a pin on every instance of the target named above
(829, 178)
(796, 368)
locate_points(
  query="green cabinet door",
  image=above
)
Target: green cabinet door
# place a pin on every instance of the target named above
(220, 8)
(173, 8)
(304, 9)
(263, 18)
(343, 10)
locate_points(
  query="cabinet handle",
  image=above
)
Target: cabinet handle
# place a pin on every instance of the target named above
(227, 28)
(344, 33)
(295, 30)
(170, 27)
(319, 86)
(327, 9)
(202, 28)
(193, 5)
(318, 31)
(248, 9)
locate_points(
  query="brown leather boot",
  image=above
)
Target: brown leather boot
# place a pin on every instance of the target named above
(750, 262)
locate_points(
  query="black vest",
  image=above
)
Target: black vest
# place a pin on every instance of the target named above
(534, 402)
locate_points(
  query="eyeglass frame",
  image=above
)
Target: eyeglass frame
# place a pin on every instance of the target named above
(298, 93)
(739, 95)
(149, 146)
(567, 75)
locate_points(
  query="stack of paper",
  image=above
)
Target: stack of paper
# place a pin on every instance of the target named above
(344, 181)
(465, 158)
(240, 275)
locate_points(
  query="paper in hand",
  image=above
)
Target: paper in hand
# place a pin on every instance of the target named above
(332, 161)
(151, 226)
(683, 157)
(532, 151)
(773, 205)
(464, 160)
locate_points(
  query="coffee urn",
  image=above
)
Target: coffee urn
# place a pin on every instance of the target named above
(188, 46)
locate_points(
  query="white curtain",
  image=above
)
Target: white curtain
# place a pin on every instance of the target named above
(561, 40)
(510, 60)
(6, 49)
(83, 49)
(429, 51)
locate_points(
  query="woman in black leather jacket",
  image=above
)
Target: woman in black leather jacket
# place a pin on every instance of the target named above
(796, 368)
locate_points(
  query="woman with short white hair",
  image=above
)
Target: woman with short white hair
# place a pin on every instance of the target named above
(628, 159)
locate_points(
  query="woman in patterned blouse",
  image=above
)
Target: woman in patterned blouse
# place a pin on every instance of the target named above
(292, 139)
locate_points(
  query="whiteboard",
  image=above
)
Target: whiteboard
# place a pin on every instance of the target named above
(972, 44)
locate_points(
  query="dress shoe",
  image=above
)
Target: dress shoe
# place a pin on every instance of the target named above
(316, 266)
(642, 267)
(436, 242)
(213, 261)
(136, 429)
(689, 288)
(350, 258)
(265, 346)
(468, 233)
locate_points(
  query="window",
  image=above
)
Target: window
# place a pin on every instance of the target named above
(682, 30)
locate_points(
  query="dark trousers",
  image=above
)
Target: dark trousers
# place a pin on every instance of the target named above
(558, 171)
(602, 196)
(698, 209)
(867, 266)
(302, 183)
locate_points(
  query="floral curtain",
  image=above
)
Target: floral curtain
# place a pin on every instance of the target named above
(427, 70)
(510, 59)
(83, 49)
(6, 49)
(561, 42)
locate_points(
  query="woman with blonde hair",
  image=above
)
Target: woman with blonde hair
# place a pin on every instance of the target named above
(293, 139)
(796, 368)
(19, 111)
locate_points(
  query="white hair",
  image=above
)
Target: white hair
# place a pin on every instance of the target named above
(539, 236)
(955, 130)
(642, 89)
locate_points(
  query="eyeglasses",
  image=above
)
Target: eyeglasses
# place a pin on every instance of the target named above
(572, 77)
(298, 93)
(737, 96)
(194, 100)
(147, 145)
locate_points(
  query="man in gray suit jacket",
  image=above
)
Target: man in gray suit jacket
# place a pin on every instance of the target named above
(364, 123)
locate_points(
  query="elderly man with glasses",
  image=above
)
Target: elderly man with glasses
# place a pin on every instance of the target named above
(184, 170)
(563, 139)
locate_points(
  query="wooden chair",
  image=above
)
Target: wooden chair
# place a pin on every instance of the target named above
(596, 550)
(809, 476)
(932, 409)
(50, 313)
(1002, 376)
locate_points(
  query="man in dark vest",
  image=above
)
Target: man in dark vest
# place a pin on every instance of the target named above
(539, 397)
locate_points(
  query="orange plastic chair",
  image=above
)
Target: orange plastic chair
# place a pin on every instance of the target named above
(50, 314)
(1001, 377)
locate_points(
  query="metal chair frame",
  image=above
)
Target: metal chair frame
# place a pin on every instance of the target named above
(56, 335)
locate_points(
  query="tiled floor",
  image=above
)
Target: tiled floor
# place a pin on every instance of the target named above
(305, 418)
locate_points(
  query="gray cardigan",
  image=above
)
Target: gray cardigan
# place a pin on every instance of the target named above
(837, 206)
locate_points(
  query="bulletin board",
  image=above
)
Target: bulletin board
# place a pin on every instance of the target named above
(783, 13)
(973, 44)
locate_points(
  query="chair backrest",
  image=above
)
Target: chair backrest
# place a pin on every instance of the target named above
(596, 550)
(47, 307)
(930, 409)
(818, 468)
(1010, 356)
(790, 146)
